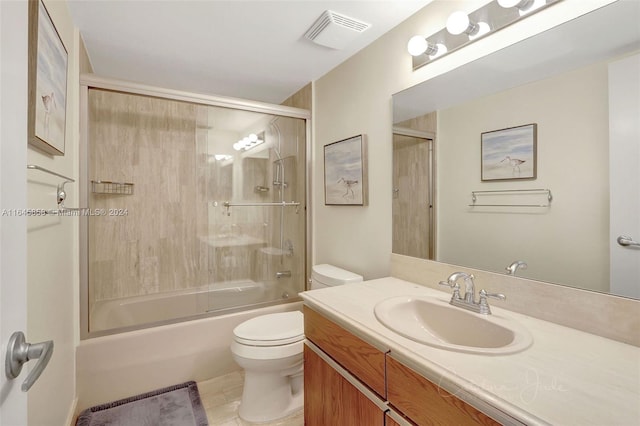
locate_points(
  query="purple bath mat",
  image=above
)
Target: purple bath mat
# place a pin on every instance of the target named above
(177, 405)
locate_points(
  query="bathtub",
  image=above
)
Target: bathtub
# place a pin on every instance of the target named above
(137, 310)
(125, 364)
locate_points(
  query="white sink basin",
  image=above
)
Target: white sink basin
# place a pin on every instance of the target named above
(432, 321)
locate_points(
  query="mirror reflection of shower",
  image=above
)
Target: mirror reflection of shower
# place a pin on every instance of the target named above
(412, 196)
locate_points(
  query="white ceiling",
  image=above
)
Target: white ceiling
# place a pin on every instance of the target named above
(246, 49)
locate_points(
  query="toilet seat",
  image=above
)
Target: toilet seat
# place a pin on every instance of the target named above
(276, 329)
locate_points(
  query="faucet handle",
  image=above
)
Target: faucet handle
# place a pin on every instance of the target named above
(455, 286)
(484, 295)
(484, 306)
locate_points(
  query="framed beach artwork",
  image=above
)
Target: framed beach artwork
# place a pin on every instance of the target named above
(47, 82)
(345, 173)
(509, 154)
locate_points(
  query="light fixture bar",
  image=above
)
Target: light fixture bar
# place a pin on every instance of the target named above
(466, 28)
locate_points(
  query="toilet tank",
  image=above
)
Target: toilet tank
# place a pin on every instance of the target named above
(326, 275)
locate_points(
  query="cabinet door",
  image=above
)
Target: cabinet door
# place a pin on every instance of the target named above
(392, 418)
(354, 354)
(329, 399)
(425, 403)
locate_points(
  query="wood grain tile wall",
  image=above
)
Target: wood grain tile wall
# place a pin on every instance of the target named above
(168, 235)
(146, 242)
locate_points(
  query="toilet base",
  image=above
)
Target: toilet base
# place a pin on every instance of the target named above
(270, 396)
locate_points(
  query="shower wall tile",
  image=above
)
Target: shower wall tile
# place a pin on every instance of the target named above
(155, 246)
(301, 99)
(424, 123)
(163, 243)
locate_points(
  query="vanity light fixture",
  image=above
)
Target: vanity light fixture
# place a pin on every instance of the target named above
(247, 142)
(459, 23)
(484, 21)
(523, 6)
(436, 50)
(419, 45)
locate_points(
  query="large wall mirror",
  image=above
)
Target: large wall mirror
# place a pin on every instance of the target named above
(570, 81)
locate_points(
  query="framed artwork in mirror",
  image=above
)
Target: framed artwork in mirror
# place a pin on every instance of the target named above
(509, 154)
(345, 172)
(47, 82)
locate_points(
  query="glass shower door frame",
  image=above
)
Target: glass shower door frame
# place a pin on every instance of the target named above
(90, 81)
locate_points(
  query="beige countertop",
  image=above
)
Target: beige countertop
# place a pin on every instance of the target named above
(566, 377)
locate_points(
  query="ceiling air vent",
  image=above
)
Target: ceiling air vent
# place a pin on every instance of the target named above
(334, 30)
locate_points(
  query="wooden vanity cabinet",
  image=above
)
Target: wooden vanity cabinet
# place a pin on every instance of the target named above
(343, 376)
(425, 403)
(348, 382)
(354, 354)
(393, 418)
(388, 421)
(330, 399)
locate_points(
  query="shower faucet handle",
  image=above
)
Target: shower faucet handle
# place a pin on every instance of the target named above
(282, 274)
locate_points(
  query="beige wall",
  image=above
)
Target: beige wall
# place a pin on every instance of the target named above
(52, 250)
(355, 97)
(572, 162)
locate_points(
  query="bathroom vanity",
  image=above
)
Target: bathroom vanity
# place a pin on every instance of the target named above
(358, 370)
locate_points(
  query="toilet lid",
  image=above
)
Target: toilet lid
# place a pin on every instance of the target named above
(271, 329)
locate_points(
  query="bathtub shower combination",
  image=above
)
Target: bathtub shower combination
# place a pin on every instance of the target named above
(197, 205)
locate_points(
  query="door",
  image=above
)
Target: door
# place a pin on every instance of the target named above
(624, 158)
(13, 189)
(329, 398)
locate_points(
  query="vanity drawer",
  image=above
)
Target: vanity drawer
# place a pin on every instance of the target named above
(358, 357)
(426, 403)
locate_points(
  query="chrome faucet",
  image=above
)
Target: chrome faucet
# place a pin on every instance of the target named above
(452, 281)
(468, 302)
(513, 268)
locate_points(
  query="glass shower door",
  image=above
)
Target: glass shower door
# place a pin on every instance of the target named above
(256, 209)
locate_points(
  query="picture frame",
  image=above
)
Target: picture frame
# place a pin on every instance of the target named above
(345, 172)
(509, 154)
(47, 76)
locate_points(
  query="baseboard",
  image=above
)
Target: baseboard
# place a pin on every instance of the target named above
(71, 415)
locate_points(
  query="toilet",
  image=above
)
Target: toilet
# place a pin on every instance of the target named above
(269, 349)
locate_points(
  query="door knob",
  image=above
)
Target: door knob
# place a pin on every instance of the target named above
(19, 352)
(625, 241)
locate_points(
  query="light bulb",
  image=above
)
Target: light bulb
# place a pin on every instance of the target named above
(439, 50)
(524, 6)
(237, 146)
(483, 28)
(509, 3)
(537, 4)
(253, 137)
(458, 23)
(417, 45)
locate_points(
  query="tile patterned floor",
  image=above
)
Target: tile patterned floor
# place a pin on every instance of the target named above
(221, 398)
